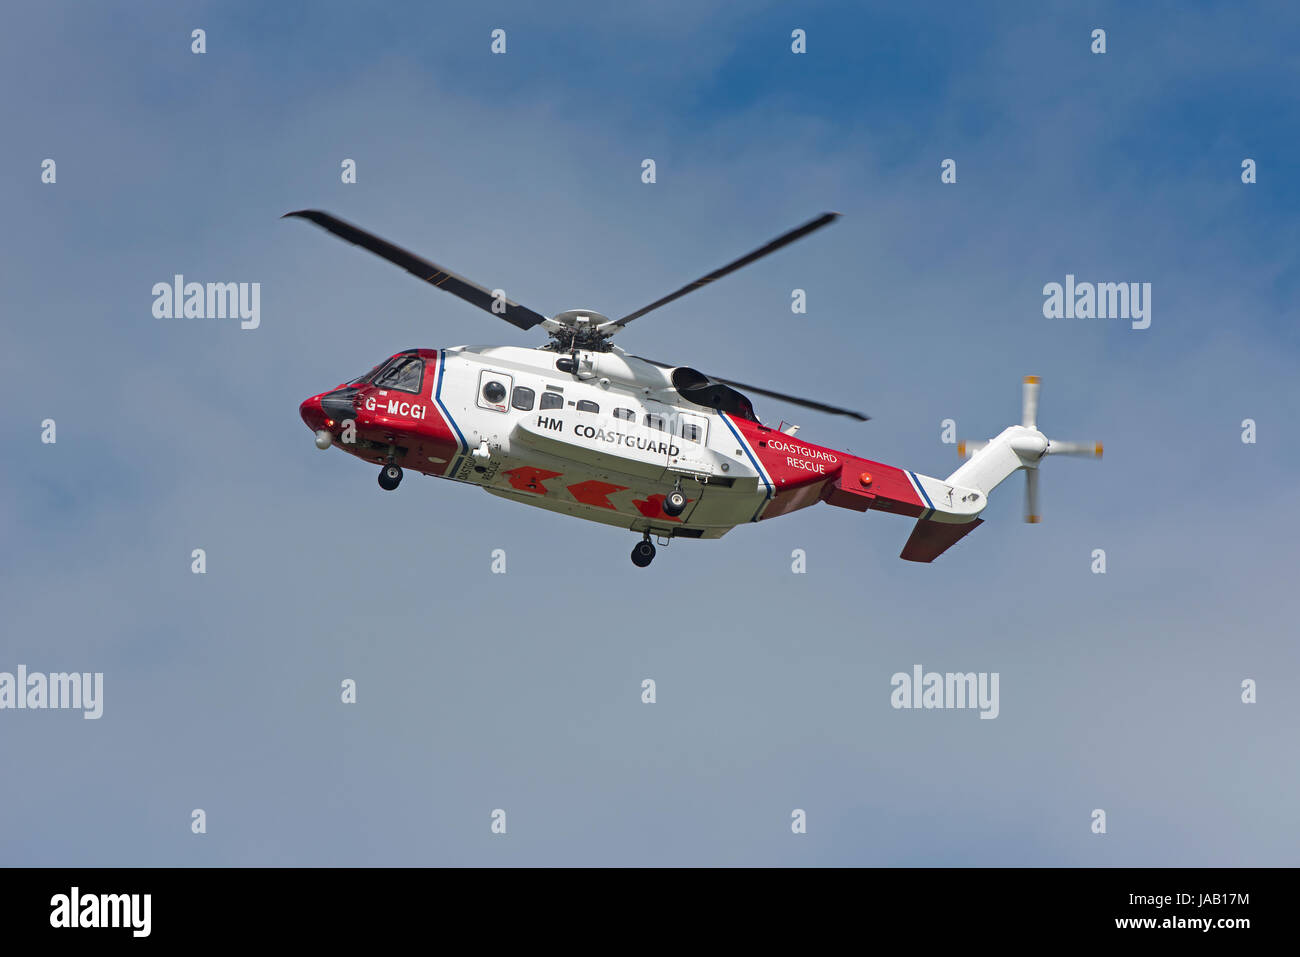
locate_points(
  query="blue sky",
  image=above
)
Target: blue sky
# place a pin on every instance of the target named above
(480, 691)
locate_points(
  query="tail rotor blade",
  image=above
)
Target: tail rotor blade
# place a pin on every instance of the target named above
(1032, 515)
(1091, 450)
(1029, 405)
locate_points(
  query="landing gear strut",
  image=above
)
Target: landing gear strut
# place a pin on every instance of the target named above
(390, 476)
(644, 552)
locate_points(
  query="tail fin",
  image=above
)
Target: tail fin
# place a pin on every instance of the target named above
(930, 539)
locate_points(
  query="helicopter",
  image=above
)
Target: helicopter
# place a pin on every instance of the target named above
(582, 428)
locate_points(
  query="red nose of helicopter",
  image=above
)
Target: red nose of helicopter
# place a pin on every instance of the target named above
(312, 413)
(323, 413)
(318, 420)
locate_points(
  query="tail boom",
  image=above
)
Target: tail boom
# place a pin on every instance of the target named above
(800, 474)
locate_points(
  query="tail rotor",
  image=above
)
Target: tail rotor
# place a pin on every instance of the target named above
(1018, 447)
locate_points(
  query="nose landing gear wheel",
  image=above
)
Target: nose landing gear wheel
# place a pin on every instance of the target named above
(674, 503)
(390, 476)
(643, 554)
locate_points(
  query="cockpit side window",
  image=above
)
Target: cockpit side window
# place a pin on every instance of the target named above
(403, 373)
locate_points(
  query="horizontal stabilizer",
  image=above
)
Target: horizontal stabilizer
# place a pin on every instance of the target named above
(931, 539)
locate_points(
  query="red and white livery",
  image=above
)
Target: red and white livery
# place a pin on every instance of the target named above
(582, 428)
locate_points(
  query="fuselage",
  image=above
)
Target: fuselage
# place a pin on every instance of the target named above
(605, 441)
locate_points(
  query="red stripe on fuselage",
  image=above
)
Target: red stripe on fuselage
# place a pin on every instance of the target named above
(803, 474)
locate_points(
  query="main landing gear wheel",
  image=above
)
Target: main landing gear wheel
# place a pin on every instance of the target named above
(390, 476)
(675, 503)
(643, 554)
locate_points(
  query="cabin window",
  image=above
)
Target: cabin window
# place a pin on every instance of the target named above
(552, 400)
(654, 421)
(692, 432)
(586, 405)
(494, 392)
(523, 398)
(627, 415)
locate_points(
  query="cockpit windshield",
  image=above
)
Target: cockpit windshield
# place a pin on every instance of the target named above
(403, 373)
(366, 377)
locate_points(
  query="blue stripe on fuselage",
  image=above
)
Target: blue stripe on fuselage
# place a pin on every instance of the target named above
(761, 474)
(437, 399)
(921, 488)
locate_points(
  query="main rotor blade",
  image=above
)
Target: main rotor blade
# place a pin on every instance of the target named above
(783, 240)
(444, 279)
(793, 400)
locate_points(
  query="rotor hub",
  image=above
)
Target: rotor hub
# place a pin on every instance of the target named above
(580, 329)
